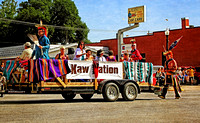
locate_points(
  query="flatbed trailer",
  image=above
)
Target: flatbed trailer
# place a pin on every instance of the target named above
(68, 88)
(109, 88)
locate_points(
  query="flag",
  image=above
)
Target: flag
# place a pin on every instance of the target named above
(173, 45)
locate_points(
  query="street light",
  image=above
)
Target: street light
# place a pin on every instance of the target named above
(167, 35)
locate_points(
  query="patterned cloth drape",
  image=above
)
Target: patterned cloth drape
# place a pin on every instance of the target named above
(9, 68)
(46, 69)
(139, 71)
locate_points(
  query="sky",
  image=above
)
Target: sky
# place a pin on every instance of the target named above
(105, 17)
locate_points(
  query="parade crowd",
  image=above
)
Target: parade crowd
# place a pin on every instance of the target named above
(185, 76)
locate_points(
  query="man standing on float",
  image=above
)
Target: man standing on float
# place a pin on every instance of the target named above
(135, 54)
(42, 51)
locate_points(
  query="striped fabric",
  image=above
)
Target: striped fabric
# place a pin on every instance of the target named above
(11, 65)
(139, 71)
(46, 69)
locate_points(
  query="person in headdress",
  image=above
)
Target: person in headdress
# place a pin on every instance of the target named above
(170, 68)
(135, 54)
(42, 51)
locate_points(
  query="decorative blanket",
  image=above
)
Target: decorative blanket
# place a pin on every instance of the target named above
(11, 65)
(46, 69)
(139, 71)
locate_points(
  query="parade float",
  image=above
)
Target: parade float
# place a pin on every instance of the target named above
(71, 77)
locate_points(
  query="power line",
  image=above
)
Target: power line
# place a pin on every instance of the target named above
(61, 27)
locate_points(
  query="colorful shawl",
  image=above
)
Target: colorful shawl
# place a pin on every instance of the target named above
(46, 69)
(139, 71)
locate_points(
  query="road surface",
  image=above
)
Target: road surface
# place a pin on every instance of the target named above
(146, 108)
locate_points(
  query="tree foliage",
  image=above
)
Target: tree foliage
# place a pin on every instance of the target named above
(63, 14)
(8, 10)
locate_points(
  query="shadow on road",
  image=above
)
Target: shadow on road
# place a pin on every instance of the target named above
(61, 101)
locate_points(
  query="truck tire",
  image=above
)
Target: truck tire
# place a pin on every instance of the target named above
(68, 96)
(129, 92)
(111, 92)
(86, 96)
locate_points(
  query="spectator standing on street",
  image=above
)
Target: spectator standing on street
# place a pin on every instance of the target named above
(191, 75)
(180, 75)
(162, 76)
(158, 75)
(162, 71)
(186, 77)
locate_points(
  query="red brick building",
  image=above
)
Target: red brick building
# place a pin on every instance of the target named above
(187, 52)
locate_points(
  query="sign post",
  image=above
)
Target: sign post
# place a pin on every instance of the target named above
(136, 15)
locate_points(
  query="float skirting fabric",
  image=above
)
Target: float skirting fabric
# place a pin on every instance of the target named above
(9, 68)
(46, 69)
(139, 71)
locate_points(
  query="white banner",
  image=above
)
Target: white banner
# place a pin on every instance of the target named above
(110, 70)
(84, 70)
(80, 69)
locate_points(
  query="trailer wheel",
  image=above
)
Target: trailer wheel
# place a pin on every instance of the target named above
(111, 92)
(129, 92)
(86, 96)
(68, 96)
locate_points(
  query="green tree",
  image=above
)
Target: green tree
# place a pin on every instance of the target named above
(7, 11)
(32, 11)
(64, 13)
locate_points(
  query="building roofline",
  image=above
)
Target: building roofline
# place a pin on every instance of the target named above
(150, 34)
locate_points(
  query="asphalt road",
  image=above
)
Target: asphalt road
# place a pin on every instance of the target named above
(146, 108)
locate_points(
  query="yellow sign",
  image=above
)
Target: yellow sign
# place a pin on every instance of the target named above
(137, 14)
